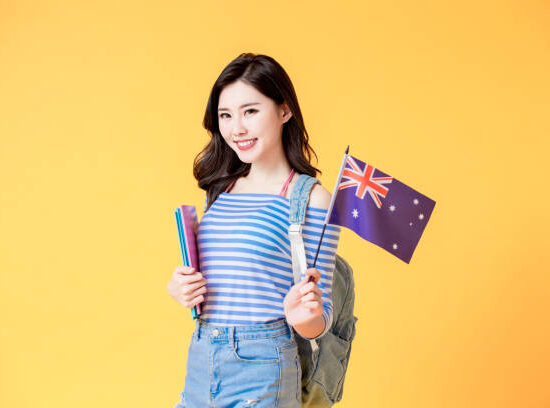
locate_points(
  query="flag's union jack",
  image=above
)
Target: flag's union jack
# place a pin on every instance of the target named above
(364, 181)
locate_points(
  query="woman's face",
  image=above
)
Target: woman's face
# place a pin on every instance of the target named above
(250, 122)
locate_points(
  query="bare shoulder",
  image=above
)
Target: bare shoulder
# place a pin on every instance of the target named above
(320, 197)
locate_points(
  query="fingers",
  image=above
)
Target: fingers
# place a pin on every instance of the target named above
(187, 286)
(192, 287)
(193, 302)
(186, 275)
(189, 279)
(313, 305)
(309, 287)
(314, 273)
(311, 296)
(312, 301)
(189, 297)
(185, 270)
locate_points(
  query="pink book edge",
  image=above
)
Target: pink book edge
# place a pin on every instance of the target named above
(190, 226)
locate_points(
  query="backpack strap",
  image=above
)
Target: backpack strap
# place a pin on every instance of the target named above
(300, 197)
(298, 206)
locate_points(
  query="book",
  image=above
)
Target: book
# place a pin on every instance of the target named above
(187, 223)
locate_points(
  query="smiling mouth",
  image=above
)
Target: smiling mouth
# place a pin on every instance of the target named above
(247, 142)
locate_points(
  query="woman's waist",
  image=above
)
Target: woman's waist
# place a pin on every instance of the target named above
(223, 331)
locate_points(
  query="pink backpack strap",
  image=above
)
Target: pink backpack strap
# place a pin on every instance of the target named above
(283, 190)
(287, 182)
(230, 186)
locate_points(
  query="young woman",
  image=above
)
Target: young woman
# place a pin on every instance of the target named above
(243, 352)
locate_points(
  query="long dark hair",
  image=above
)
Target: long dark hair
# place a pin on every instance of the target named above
(217, 165)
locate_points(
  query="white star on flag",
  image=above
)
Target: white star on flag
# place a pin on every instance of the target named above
(355, 213)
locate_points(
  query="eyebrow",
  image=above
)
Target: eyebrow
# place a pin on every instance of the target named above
(240, 107)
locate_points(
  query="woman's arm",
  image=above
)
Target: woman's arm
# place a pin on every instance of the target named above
(315, 315)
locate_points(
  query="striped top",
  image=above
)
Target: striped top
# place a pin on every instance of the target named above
(244, 255)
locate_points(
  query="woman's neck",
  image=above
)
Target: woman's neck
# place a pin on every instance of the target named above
(265, 174)
(271, 168)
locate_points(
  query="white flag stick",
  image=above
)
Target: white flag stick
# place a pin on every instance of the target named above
(327, 217)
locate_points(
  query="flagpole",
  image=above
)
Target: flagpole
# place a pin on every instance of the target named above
(327, 217)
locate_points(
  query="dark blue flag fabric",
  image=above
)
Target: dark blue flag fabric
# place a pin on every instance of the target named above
(380, 209)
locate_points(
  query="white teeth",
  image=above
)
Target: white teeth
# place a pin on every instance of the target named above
(245, 143)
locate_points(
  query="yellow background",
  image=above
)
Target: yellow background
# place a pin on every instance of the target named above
(101, 105)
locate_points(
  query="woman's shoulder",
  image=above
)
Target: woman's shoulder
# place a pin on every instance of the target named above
(319, 197)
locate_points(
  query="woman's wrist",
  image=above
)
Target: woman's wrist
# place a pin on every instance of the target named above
(311, 329)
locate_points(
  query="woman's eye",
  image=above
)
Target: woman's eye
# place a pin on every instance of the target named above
(248, 110)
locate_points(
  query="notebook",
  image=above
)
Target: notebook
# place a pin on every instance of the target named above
(187, 223)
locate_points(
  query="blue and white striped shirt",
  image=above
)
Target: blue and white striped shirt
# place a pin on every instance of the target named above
(244, 255)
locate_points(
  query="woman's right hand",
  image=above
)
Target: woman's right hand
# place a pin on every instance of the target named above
(187, 286)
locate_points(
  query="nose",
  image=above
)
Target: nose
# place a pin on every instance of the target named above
(238, 127)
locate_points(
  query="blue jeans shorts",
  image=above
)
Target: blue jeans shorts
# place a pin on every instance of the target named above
(254, 365)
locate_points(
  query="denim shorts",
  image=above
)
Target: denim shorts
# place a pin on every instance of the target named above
(242, 366)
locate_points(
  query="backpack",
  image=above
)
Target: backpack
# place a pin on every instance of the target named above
(324, 360)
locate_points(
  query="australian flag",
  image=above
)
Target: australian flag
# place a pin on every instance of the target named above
(379, 208)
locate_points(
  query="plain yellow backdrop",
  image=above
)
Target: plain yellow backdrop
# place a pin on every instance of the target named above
(101, 105)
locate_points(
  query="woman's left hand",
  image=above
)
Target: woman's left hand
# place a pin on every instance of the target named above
(304, 301)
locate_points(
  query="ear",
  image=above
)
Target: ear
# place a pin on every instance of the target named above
(285, 112)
